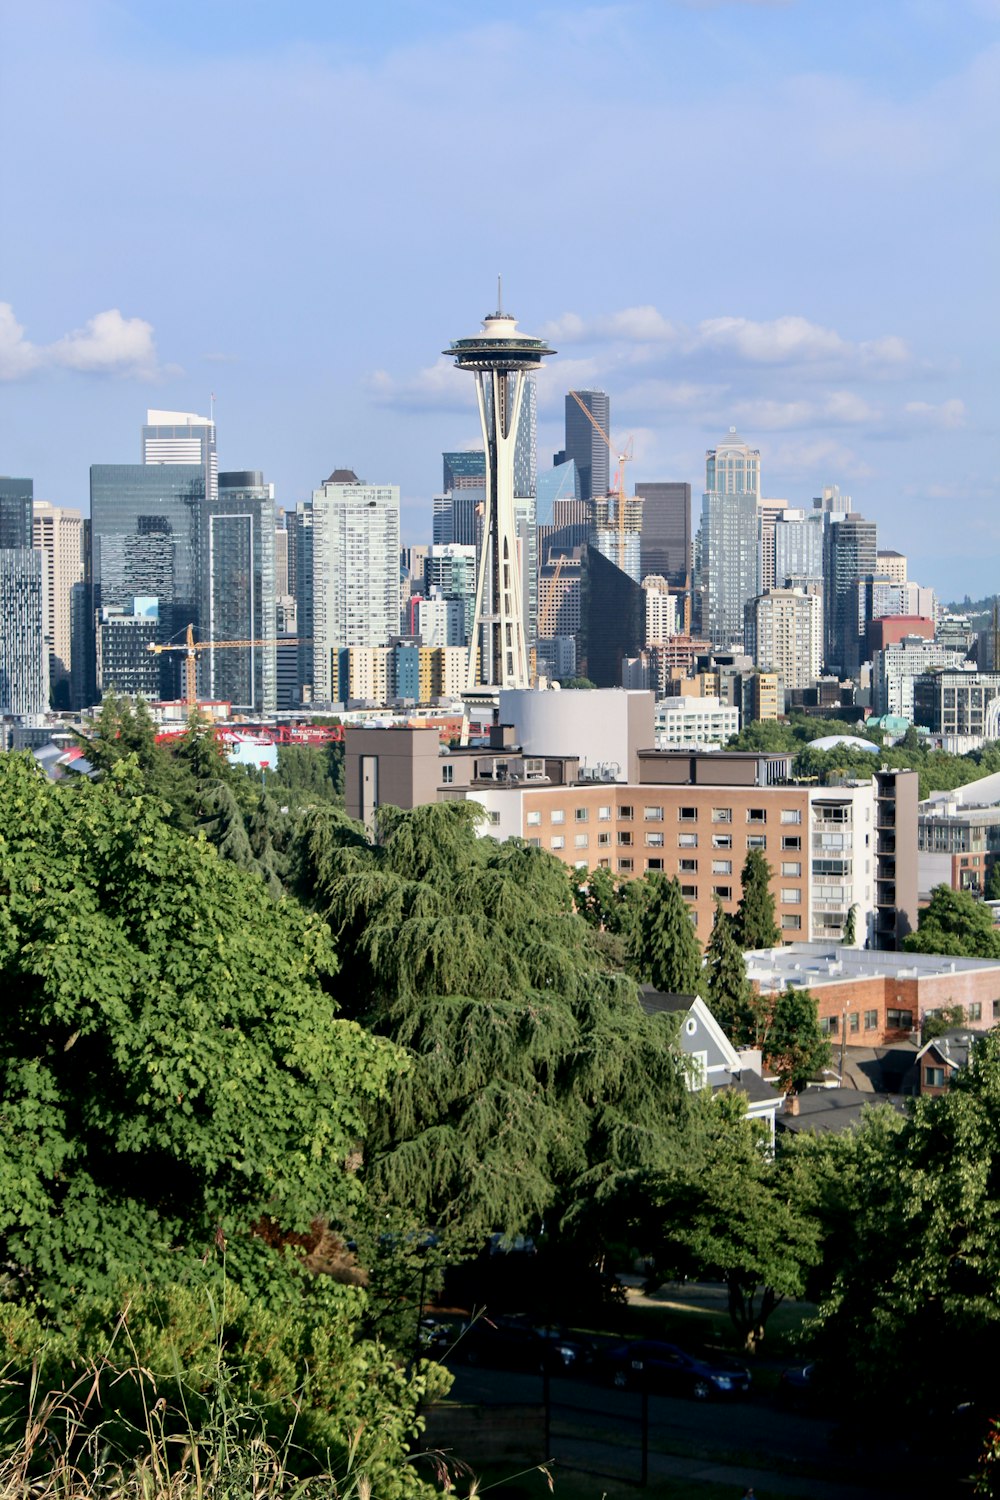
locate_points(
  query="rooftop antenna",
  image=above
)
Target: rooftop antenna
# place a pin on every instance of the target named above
(211, 406)
(500, 294)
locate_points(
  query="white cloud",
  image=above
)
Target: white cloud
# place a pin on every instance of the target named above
(645, 325)
(818, 460)
(17, 356)
(437, 387)
(782, 341)
(950, 414)
(109, 344)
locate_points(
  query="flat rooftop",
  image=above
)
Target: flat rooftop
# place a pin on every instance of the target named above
(809, 964)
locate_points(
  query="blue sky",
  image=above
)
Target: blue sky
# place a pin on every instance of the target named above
(778, 216)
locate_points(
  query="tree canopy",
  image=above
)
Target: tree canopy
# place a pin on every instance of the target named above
(754, 922)
(956, 923)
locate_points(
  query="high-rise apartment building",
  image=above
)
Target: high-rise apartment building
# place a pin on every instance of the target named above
(182, 437)
(145, 542)
(58, 535)
(281, 584)
(584, 444)
(661, 609)
(24, 657)
(798, 546)
(729, 538)
(355, 572)
(666, 530)
(16, 497)
(769, 513)
(300, 550)
(849, 554)
(238, 592)
(891, 565)
(784, 635)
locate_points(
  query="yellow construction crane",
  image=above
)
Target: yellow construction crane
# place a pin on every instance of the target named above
(191, 647)
(618, 489)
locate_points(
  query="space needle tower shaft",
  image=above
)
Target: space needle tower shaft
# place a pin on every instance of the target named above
(499, 357)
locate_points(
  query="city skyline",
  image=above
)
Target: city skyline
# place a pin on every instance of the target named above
(834, 317)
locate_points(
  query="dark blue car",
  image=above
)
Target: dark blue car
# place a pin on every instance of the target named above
(664, 1367)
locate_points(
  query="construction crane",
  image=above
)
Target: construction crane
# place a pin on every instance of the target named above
(191, 647)
(618, 489)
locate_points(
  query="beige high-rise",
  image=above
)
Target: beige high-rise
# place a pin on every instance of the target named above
(58, 535)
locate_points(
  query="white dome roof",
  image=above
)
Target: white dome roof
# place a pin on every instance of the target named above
(835, 741)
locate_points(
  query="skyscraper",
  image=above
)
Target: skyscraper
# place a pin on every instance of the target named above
(24, 657)
(15, 512)
(850, 552)
(499, 358)
(666, 530)
(584, 443)
(729, 538)
(238, 591)
(355, 572)
(145, 542)
(182, 437)
(58, 535)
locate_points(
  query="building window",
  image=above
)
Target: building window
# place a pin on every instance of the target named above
(756, 814)
(791, 867)
(853, 1021)
(625, 837)
(722, 841)
(652, 814)
(654, 840)
(581, 814)
(494, 820)
(791, 921)
(654, 864)
(996, 1010)
(722, 867)
(722, 815)
(687, 815)
(756, 840)
(533, 817)
(934, 1078)
(687, 841)
(603, 838)
(625, 811)
(829, 1025)
(791, 815)
(791, 841)
(899, 1020)
(534, 843)
(792, 896)
(689, 866)
(558, 842)
(447, 775)
(604, 864)
(603, 814)
(557, 815)
(724, 892)
(974, 1011)
(581, 840)
(689, 892)
(625, 866)
(871, 1020)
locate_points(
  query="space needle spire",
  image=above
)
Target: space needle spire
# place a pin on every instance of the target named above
(499, 357)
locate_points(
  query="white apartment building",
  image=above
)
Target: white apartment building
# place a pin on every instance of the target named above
(695, 721)
(58, 535)
(355, 572)
(784, 634)
(661, 610)
(895, 668)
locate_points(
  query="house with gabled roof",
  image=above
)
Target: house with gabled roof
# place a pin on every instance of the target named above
(713, 1061)
(939, 1059)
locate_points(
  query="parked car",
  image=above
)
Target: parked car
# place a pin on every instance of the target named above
(512, 1343)
(797, 1385)
(665, 1367)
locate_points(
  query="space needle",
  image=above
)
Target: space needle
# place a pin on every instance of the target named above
(499, 357)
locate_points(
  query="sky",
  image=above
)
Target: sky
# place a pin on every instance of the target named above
(774, 215)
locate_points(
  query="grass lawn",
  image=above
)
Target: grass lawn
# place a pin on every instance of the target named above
(690, 1313)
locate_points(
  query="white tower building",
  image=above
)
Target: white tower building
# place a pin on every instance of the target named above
(499, 357)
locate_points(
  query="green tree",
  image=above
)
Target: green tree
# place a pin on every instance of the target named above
(992, 891)
(668, 952)
(956, 923)
(850, 935)
(727, 989)
(789, 1035)
(755, 922)
(732, 1217)
(922, 1268)
(539, 1086)
(152, 991)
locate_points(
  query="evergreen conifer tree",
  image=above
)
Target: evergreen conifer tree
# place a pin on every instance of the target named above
(727, 988)
(755, 922)
(669, 955)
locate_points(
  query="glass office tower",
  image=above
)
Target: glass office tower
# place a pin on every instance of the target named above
(15, 512)
(238, 592)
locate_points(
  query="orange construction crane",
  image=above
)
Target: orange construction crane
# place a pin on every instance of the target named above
(191, 647)
(618, 489)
